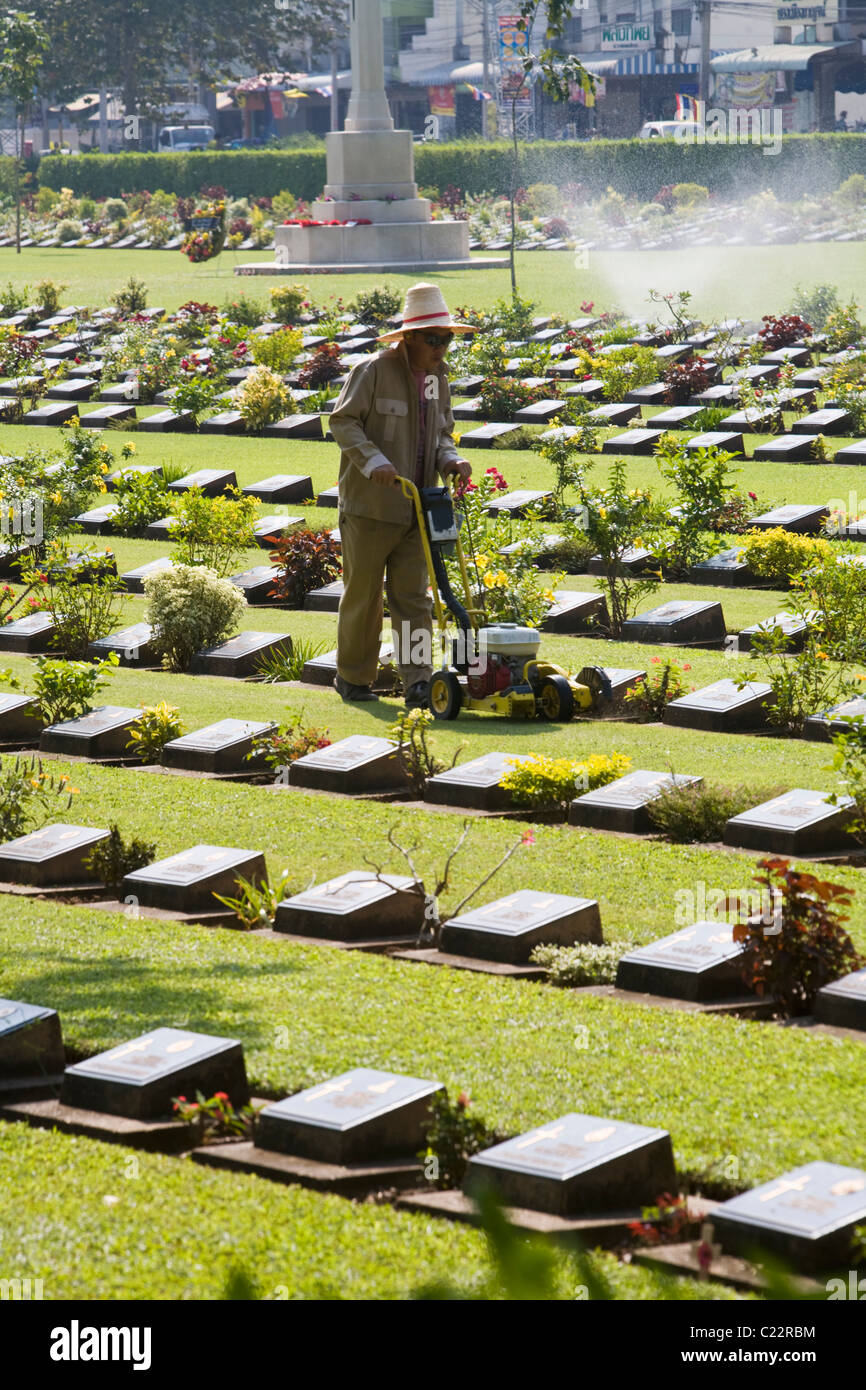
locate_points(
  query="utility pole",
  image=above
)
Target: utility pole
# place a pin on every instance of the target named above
(485, 80)
(103, 120)
(704, 8)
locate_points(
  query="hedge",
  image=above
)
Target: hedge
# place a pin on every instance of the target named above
(806, 164)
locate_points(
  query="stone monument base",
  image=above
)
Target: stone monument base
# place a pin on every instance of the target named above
(411, 246)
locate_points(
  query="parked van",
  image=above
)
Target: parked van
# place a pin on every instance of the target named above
(185, 137)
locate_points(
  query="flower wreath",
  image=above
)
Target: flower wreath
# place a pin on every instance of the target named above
(205, 232)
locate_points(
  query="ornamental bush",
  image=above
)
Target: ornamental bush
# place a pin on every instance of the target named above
(543, 782)
(278, 350)
(776, 555)
(190, 608)
(263, 399)
(304, 560)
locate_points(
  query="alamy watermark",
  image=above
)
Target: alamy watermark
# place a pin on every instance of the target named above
(732, 905)
(738, 125)
(24, 518)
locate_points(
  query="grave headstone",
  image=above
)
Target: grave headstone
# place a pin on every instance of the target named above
(72, 390)
(475, 784)
(720, 707)
(97, 519)
(326, 599)
(34, 633)
(851, 453)
(361, 1115)
(224, 422)
(130, 469)
(328, 497)
(573, 611)
(141, 1077)
(676, 417)
(282, 487)
(321, 670)
(240, 655)
(613, 414)
(510, 928)
(578, 1164)
(824, 422)
(133, 580)
(637, 441)
(31, 1043)
(218, 748)
(726, 393)
(20, 722)
(161, 530)
(132, 644)
(469, 410)
(539, 413)
(353, 765)
(101, 733)
(108, 416)
(591, 389)
(821, 727)
(787, 448)
(298, 426)
(800, 822)
(729, 440)
(516, 504)
(486, 436)
(55, 854)
(842, 1004)
(793, 626)
(682, 622)
(656, 393)
(186, 882)
(807, 1216)
(622, 805)
(56, 414)
(166, 422)
(802, 520)
(466, 385)
(728, 569)
(212, 482)
(634, 559)
(701, 963)
(622, 679)
(257, 584)
(354, 907)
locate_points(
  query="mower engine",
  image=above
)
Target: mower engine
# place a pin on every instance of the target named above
(498, 673)
(500, 659)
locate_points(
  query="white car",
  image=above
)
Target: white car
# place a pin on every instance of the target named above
(669, 130)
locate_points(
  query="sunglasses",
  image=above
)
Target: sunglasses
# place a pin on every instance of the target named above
(436, 340)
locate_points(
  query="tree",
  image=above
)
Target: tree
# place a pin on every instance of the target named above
(23, 41)
(555, 73)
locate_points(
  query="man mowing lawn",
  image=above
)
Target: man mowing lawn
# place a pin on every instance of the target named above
(393, 419)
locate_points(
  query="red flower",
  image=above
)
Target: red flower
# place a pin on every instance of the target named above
(655, 660)
(528, 837)
(754, 496)
(181, 1099)
(687, 666)
(463, 1101)
(220, 1095)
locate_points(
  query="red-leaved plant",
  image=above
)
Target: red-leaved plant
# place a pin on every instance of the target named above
(304, 560)
(783, 331)
(799, 944)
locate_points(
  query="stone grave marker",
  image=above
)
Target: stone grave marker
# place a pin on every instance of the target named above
(108, 416)
(133, 580)
(699, 963)
(573, 612)
(800, 822)
(635, 559)
(20, 722)
(165, 422)
(356, 906)
(326, 599)
(794, 627)
(133, 645)
(140, 1078)
(720, 707)
(751, 421)
(353, 765)
(676, 417)
(807, 1216)
(34, 633)
(31, 1043)
(224, 422)
(257, 584)
(74, 389)
(186, 882)
(282, 487)
(578, 1164)
(328, 497)
(101, 733)
(842, 1004)
(516, 504)
(727, 569)
(656, 393)
(466, 385)
(803, 520)
(273, 527)
(622, 805)
(851, 453)
(613, 414)
(359, 1116)
(55, 414)
(98, 518)
(729, 440)
(824, 422)
(682, 622)
(298, 426)
(821, 727)
(130, 469)
(485, 435)
(637, 441)
(220, 747)
(510, 928)
(240, 655)
(52, 855)
(799, 356)
(469, 410)
(622, 679)
(321, 670)
(726, 393)
(211, 481)
(539, 413)
(787, 448)
(476, 783)
(161, 530)
(591, 390)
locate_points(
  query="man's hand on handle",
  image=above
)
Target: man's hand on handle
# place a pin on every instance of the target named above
(462, 468)
(385, 475)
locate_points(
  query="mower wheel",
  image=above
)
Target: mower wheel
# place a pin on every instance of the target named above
(555, 700)
(445, 696)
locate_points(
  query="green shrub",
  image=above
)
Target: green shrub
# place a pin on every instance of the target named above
(377, 305)
(278, 350)
(852, 192)
(699, 813)
(304, 560)
(131, 298)
(287, 301)
(66, 689)
(650, 695)
(587, 964)
(85, 598)
(213, 531)
(542, 782)
(116, 210)
(689, 195)
(156, 726)
(263, 399)
(69, 230)
(248, 313)
(113, 858)
(776, 555)
(815, 304)
(30, 797)
(190, 608)
(47, 295)
(141, 498)
(453, 1137)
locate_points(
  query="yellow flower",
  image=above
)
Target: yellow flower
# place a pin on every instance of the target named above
(130, 445)
(861, 678)
(57, 497)
(487, 581)
(822, 656)
(501, 580)
(34, 781)
(602, 511)
(482, 562)
(103, 468)
(549, 596)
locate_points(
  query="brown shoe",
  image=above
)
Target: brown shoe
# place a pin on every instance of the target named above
(347, 691)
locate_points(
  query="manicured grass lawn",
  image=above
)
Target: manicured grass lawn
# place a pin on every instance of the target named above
(91, 1234)
(750, 280)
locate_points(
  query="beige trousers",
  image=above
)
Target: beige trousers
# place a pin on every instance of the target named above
(374, 551)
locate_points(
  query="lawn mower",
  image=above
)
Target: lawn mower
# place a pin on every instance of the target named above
(490, 667)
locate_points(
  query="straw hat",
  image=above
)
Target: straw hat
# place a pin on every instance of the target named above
(425, 307)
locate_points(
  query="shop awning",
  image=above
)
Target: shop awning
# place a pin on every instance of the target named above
(775, 57)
